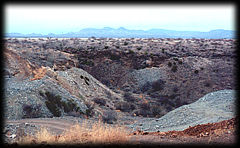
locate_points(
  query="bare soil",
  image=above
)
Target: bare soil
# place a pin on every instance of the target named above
(223, 132)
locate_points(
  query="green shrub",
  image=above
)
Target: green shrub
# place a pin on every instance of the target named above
(55, 103)
(169, 64)
(31, 111)
(53, 108)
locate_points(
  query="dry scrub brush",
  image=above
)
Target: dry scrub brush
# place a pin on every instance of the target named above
(98, 133)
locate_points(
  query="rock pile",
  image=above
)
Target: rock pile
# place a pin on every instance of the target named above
(213, 107)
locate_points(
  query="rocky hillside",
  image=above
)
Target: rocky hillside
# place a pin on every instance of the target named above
(43, 92)
(108, 76)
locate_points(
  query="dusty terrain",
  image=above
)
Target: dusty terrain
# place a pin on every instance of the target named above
(223, 132)
(132, 82)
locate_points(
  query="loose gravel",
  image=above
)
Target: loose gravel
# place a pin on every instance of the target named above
(213, 107)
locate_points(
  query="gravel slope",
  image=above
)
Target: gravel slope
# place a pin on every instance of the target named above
(213, 107)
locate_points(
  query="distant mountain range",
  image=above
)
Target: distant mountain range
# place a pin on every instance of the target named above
(122, 32)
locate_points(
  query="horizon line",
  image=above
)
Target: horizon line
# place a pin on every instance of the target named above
(117, 29)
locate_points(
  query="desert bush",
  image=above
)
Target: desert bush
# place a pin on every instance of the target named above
(53, 108)
(147, 86)
(114, 57)
(174, 68)
(139, 48)
(128, 97)
(142, 112)
(175, 59)
(196, 71)
(89, 110)
(158, 85)
(87, 62)
(207, 84)
(163, 50)
(100, 101)
(175, 89)
(31, 111)
(157, 111)
(169, 64)
(55, 104)
(125, 106)
(109, 116)
(145, 106)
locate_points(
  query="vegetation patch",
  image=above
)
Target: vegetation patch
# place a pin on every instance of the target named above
(158, 85)
(109, 116)
(31, 111)
(169, 64)
(128, 97)
(98, 133)
(125, 106)
(100, 101)
(55, 104)
(174, 68)
(196, 71)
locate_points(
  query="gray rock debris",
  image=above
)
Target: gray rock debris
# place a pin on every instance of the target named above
(213, 107)
(74, 85)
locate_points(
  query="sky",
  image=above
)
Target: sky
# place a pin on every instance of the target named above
(46, 19)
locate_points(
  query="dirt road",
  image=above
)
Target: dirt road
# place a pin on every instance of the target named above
(223, 132)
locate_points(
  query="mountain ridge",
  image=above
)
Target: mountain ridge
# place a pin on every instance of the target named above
(121, 32)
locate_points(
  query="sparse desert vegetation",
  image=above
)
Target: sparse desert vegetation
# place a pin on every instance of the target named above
(123, 82)
(98, 133)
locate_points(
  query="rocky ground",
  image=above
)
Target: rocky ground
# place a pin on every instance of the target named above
(145, 84)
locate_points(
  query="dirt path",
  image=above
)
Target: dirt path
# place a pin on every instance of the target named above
(57, 125)
(212, 133)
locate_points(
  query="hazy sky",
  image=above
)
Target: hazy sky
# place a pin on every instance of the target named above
(70, 18)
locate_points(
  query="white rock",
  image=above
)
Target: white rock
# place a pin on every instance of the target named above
(13, 136)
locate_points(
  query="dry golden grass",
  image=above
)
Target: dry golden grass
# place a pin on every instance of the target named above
(99, 133)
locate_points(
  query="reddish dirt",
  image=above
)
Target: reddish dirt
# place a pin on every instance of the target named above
(16, 63)
(223, 132)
